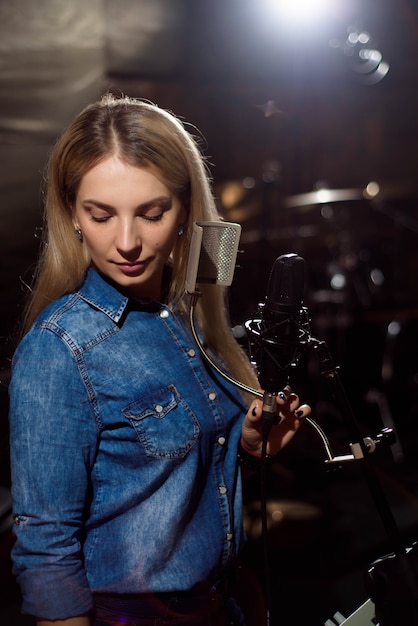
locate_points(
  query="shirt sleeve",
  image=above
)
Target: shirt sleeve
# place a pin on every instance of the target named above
(53, 443)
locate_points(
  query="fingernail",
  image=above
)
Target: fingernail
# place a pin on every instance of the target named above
(282, 395)
(254, 412)
(299, 413)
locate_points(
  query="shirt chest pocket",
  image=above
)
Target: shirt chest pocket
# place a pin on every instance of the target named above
(164, 423)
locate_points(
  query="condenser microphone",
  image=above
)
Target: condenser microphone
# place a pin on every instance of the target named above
(213, 253)
(212, 258)
(279, 330)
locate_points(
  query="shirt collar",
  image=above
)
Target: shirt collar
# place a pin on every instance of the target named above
(103, 295)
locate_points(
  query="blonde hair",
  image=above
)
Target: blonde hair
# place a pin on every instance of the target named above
(142, 135)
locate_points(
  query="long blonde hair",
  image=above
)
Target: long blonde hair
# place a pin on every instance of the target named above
(141, 134)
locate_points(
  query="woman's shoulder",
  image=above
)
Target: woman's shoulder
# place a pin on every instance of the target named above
(51, 316)
(56, 322)
(45, 329)
(95, 308)
(52, 311)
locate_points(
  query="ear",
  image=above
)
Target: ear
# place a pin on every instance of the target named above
(76, 226)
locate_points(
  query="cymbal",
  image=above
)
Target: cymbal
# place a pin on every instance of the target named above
(273, 235)
(324, 196)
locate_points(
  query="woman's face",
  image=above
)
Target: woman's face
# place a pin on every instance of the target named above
(129, 220)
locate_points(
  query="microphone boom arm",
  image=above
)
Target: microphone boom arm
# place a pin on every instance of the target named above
(391, 581)
(359, 446)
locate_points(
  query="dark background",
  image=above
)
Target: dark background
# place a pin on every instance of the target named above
(284, 110)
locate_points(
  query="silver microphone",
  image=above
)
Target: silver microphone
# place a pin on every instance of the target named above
(212, 257)
(213, 253)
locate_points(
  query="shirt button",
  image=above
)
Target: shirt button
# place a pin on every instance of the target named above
(221, 441)
(229, 536)
(212, 396)
(222, 490)
(191, 352)
(158, 408)
(164, 314)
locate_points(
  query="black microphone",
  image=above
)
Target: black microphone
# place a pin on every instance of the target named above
(279, 331)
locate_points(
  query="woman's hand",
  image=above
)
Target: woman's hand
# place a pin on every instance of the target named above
(291, 415)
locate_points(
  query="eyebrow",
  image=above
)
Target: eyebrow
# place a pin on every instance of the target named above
(140, 207)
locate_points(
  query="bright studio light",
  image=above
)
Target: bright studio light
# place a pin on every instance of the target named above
(300, 10)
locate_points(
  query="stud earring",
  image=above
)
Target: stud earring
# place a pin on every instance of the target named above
(78, 234)
(180, 231)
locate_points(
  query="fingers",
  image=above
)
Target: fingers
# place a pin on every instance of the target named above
(288, 404)
(285, 393)
(291, 416)
(255, 410)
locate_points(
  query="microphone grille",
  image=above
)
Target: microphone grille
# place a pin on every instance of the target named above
(213, 253)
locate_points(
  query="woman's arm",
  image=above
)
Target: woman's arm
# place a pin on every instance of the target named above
(71, 621)
(53, 440)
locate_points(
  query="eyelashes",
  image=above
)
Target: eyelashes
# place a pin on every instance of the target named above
(153, 218)
(144, 216)
(150, 211)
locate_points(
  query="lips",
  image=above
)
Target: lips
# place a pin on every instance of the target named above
(132, 269)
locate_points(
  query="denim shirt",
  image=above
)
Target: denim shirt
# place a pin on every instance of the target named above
(124, 454)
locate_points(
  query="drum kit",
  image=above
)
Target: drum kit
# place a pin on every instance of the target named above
(360, 248)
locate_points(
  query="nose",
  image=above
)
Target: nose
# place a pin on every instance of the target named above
(128, 240)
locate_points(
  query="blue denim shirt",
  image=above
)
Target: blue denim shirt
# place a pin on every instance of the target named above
(124, 454)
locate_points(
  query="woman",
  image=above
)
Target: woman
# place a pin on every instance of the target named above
(127, 496)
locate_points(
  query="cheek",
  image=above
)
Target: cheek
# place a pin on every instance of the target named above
(166, 244)
(94, 245)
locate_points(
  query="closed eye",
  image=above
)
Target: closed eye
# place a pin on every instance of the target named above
(150, 217)
(154, 211)
(103, 218)
(97, 212)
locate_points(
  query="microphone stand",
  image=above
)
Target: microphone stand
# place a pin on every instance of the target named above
(269, 417)
(391, 581)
